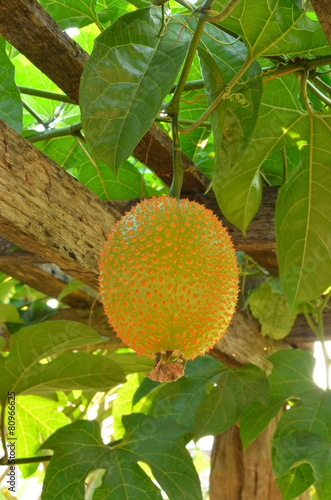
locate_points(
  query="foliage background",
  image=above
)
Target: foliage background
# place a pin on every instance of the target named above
(269, 129)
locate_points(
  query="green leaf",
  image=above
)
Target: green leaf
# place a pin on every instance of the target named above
(295, 482)
(123, 404)
(147, 389)
(72, 371)
(179, 401)
(11, 109)
(71, 13)
(94, 174)
(78, 450)
(292, 376)
(36, 419)
(273, 312)
(214, 84)
(70, 287)
(131, 362)
(303, 206)
(236, 389)
(6, 286)
(274, 27)
(239, 191)
(243, 106)
(115, 9)
(305, 447)
(313, 414)
(273, 167)
(23, 372)
(303, 223)
(125, 80)
(86, 37)
(9, 314)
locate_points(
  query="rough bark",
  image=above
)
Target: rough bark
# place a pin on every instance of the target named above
(239, 475)
(34, 33)
(242, 343)
(323, 12)
(34, 271)
(44, 210)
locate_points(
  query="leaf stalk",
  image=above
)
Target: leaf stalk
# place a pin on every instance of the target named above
(222, 15)
(46, 94)
(322, 97)
(304, 80)
(3, 435)
(178, 173)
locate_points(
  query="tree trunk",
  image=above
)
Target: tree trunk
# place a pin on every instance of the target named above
(238, 475)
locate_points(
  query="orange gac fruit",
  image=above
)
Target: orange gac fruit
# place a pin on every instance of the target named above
(194, 316)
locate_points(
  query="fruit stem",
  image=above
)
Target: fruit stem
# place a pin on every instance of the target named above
(178, 174)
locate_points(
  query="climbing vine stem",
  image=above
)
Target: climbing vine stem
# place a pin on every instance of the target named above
(172, 107)
(178, 174)
(223, 95)
(3, 436)
(304, 79)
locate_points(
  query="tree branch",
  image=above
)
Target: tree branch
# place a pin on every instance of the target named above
(323, 12)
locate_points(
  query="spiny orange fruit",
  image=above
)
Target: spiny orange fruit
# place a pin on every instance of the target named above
(169, 281)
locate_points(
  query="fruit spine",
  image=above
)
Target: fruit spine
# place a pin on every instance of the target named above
(169, 281)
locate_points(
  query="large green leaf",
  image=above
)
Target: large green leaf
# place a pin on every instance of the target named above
(86, 36)
(303, 206)
(6, 286)
(300, 447)
(23, 372)
(303, 220)
(75, 157)
(110, 10)
(72, 371)
(214, 84)
(123, 404)
(11, 110)
(312, 414)
(9, 314)
(125, 80)
(273, 311)
(291, 377)
(235, 390)
(78, 450)
(179, 401)
(239, 191)
(274, 27)
(243, 105)
(279, 165)
(36, 419)
(131, 362)
(71, 13)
